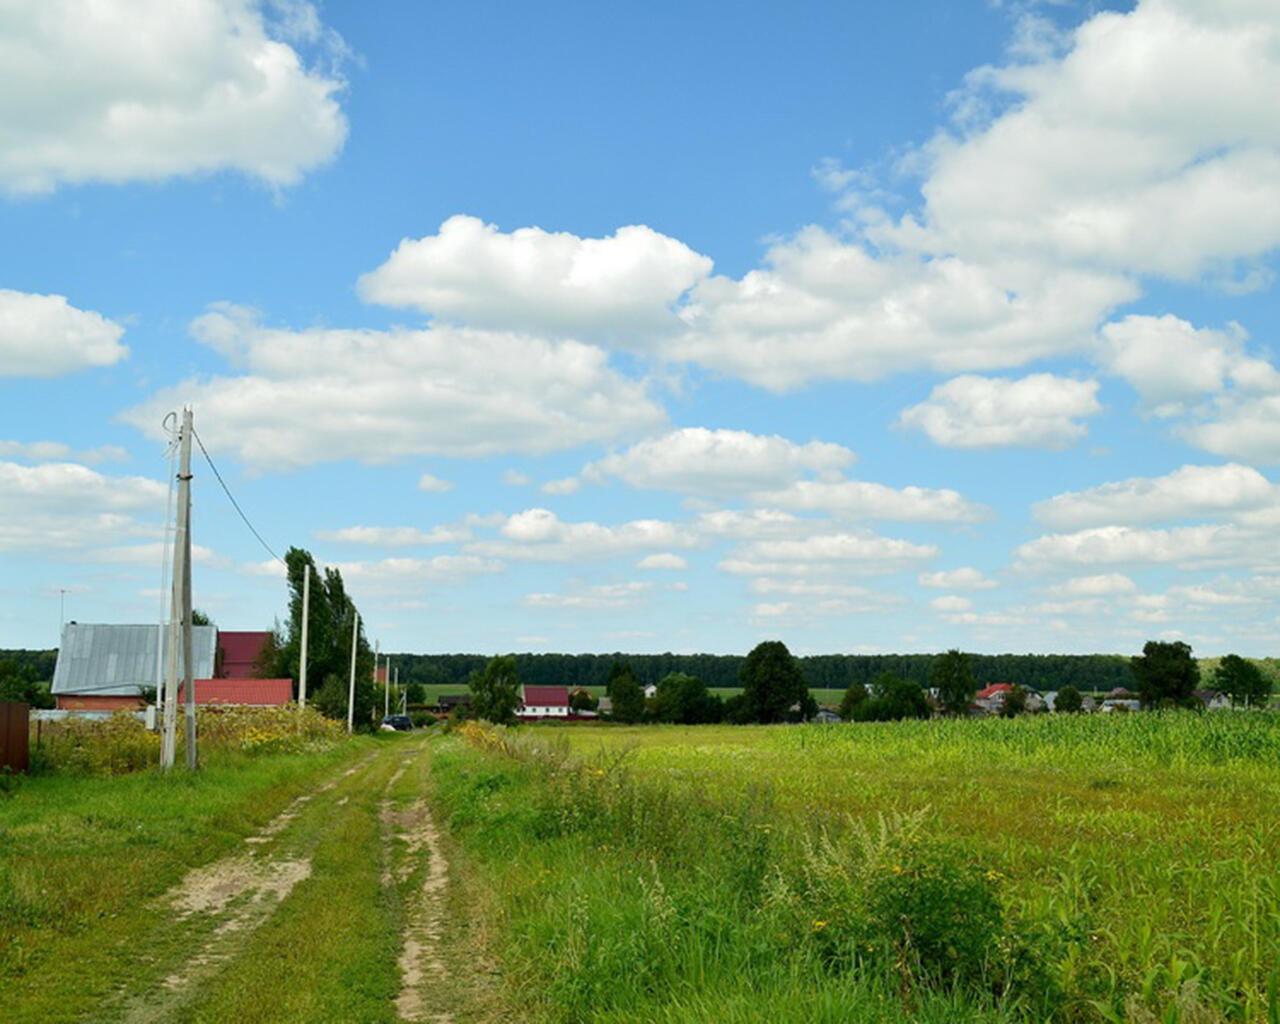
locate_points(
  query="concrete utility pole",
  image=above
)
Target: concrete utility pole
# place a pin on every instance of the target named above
(351, 690)
(180, 615)
(302, 659)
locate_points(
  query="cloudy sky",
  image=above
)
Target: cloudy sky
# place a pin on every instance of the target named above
(578, 326)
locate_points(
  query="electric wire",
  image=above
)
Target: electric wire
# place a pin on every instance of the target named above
(235, 504)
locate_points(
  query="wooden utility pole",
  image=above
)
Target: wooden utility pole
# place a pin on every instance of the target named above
(386, 688)
(180, 614)
(351, 690)
(302, 659)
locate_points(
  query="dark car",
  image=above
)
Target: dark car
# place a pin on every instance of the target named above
(398, 723)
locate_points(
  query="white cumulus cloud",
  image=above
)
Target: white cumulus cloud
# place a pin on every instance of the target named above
(126, 90)
(68, 508)
(321, 395)
(1039, 411)
(529, 279)
(46, 336)
(1188, 493)
(539, 535)
(965, 578)
(696, 460)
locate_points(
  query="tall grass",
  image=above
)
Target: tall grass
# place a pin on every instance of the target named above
(1050, 868)
(120, 743)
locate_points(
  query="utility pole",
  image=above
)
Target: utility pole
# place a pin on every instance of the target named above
(302, 661)
(386, 689)
(351, 691)
(180, 615)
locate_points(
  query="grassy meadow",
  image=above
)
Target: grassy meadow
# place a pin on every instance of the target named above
(1092, 868)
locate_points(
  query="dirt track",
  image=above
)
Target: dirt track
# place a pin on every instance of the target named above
(234, 906)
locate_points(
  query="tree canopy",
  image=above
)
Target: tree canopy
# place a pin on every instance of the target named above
(685, 699)
(1166, 675)
(1069, 700)
(625, 693)
(892, 698)
(495, 692)
(328, 642)
(772, 685)
(953, 677)
(1242, 681)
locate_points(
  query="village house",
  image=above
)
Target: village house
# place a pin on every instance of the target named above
(991, 698)
(109, 667)
(539, 702)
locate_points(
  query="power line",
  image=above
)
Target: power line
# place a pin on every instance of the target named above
(235, 504)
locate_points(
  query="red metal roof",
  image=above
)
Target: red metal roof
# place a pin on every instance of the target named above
(239, 651)
(993, 689)
(242, 691)
(546, 696)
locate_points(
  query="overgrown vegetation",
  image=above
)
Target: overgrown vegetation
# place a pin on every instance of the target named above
(121, 743)
(1071, 868)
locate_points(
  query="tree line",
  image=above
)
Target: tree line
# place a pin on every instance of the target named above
(1086, 672)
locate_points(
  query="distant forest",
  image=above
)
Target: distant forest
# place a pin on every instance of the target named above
(1086, 672)
(822, 671)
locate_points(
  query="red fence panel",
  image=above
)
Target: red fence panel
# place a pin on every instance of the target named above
(15, 737)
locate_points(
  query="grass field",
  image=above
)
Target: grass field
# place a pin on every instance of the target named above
(1069, 868)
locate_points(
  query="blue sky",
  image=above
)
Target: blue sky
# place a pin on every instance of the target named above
(581, 327)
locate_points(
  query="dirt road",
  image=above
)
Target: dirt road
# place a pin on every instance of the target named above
(341, 907)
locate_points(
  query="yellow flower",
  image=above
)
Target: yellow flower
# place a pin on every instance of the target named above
(819, 925)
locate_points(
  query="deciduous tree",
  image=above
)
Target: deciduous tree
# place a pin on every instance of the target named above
(953, 679)
(1068, 700)
(495, 692)
(1242, 681)
(625, 693)
(772, 685)
(1166, 674)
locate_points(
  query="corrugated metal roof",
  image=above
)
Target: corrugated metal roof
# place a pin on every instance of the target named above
(113, 660)
(241, 691)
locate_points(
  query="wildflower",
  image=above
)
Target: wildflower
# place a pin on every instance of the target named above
(819, 925)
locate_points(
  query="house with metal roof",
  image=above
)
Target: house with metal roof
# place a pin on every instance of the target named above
(104, 667)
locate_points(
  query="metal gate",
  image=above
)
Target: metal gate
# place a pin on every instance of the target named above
(15, 737)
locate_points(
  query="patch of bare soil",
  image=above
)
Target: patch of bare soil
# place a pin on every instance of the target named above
(237, 894)
(421, 963)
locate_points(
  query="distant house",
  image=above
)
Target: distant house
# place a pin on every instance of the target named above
(104, 667)
(450, 702)
(1121, 704)
(239, 652)
(248, 692)
(1213, 700)
(539, 702)
(991, 698)
(826, 716)
(650, 691)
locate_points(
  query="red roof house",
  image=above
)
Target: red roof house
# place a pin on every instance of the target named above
(238, 652)
(544, 702)
(259, 692)
(991, 698)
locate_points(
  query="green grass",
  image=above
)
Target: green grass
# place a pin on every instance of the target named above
(722, 873)
(83, 862)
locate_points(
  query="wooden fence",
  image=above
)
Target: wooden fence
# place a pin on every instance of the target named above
(15, 737)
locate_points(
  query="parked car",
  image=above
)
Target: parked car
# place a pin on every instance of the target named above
(397, 723)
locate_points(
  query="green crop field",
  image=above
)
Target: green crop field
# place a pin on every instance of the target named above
(1048, 868)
